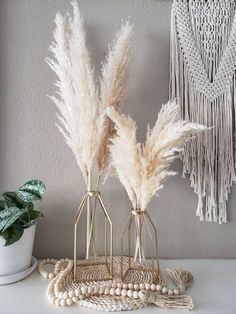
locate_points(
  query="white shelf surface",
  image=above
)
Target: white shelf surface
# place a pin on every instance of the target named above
(213, 291)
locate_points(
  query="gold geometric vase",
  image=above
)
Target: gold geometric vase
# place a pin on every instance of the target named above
(93, 267)
(138, 225)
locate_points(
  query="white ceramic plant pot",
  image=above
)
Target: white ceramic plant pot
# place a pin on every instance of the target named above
(17, 257)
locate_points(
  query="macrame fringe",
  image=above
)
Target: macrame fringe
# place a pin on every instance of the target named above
(196, 65)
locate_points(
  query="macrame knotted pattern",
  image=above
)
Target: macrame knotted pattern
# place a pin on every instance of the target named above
(202, 79)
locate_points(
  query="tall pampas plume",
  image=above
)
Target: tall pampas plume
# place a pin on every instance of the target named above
(141, 168)
(113, 87)
(82, 110)
(78, 100)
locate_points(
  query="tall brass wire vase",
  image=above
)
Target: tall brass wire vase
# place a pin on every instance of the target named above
(138, 224)
(98, 267)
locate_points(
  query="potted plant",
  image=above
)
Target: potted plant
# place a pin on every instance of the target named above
(18, 220)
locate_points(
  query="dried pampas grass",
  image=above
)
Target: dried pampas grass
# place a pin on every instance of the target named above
(78, 100)
(82, 110)
(141, 168)
(113, 83)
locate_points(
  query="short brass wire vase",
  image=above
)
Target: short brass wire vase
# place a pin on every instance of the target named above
(98, 267)
(138, 225)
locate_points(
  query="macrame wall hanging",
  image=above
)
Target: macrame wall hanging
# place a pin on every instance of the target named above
(202, 79)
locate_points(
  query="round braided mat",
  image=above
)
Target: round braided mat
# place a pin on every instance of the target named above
(142, 274)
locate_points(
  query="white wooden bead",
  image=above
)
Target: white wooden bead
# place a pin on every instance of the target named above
(69, 301)
(96, 289)
(60, 295)
(63, 302)
(84, 290)
(147, 286)
(140, 294)
(124, 293)
(159, 287)
(107, 291)
(51, 276)
(65, 295)
(136, 286)
(90, 289)
(130, 286)
(81, 296)
(57, 302)
(78, 292)
(118, 291)
(120, 285)
(153, 287)
(176, 291)
(142, 286)
(135, 294)
(71, 293)
(112, 291)
(125, 286)
(130, 293)
(164, 290)
(75, 299)
(170, 292)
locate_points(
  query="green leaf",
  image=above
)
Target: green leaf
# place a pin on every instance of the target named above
(9, 216)
(35, 214)
(32, 215)
(31, 191)
(3, 205)
(12, 234)
(13, 200)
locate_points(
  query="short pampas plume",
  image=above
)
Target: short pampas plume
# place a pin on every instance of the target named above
(82, 109)
(113, 87)
(141, 168)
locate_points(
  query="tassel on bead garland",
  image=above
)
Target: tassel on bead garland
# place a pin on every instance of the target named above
(181, 278)
(183, 302)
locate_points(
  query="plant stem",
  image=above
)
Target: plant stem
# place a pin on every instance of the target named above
(29, 216)
(89, 218)
(91, 234)
(139, 251)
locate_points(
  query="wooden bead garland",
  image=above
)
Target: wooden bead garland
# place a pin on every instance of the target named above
(58, 295)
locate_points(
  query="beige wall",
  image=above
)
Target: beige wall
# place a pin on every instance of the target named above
(31, 147)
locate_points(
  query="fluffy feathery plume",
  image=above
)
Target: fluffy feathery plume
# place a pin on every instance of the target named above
(125, 154)
(142, 167)
(113, 83)
(78, 101)
(82, 111)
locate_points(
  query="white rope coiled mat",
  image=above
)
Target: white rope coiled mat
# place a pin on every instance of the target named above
(135, 292)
